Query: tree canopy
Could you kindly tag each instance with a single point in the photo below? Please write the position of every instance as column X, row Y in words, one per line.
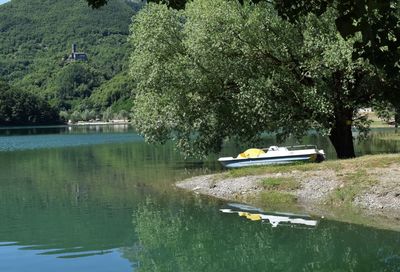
column 304, row 65
column 223, row 69
column 376, row 20
column 22, row 108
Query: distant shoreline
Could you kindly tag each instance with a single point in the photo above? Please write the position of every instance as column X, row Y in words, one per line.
column 364, row 190
column 67, row 125
column 99, row 123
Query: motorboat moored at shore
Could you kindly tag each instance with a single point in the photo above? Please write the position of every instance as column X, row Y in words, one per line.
column 274, row 155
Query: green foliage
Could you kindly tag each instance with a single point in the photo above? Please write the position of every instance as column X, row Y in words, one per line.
column 64, row 116
column 123, row 115
column 220, row 69
column 22, row 108
column 123, row 105
column 36, row 40
column 76, row 80
column 177, row 4
column 46, row 32
column 388, row 112
column 107, row 115
column 376, row 20
column 75, row 116
column 116, row 92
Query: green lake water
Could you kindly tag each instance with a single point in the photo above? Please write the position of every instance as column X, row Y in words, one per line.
column 100, row 199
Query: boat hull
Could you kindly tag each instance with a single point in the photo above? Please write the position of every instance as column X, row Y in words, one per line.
column 245, row 162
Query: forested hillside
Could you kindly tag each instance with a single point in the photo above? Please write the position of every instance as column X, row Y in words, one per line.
column 22, row 108
column 36, row 39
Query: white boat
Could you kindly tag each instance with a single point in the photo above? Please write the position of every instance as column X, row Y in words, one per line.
column 274, row 155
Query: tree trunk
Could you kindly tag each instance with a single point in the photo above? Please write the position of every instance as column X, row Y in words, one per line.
column 396, row 117
column 341, row 136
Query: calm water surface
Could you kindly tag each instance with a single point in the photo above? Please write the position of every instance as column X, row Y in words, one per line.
column 100, row 199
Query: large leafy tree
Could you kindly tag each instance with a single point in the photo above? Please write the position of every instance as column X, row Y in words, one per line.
column 333, row 65
column 221, row 69
column 376, row 20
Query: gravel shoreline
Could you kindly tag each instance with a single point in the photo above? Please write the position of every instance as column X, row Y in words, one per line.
column 376, row 200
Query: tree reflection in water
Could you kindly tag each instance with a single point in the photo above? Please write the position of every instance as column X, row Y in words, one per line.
column 204, row 240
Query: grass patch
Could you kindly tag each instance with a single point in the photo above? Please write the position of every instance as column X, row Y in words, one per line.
column 274, row 168
column 355, row 174
column 354, row 184
column 276, row 199
column 280, row 183
column 275, row 193
column 339, row 166
column 371, row 161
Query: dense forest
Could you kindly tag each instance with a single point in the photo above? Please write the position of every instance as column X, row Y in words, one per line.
column 35, row 42
column 22, row 108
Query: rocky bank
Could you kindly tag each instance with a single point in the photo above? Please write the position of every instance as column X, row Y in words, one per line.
column 363, row 190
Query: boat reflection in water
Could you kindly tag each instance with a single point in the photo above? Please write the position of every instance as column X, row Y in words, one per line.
column 275, row 219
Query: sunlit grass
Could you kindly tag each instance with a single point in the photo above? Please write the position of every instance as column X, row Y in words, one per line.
column 280, row 183
column 354, row 184
column 364, row 162
column 267, row 169
column 276, row 199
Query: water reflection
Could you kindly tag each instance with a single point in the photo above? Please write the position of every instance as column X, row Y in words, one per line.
column 199, row 239
column 70, row 209
column 24, row 142
column 77, row 202
column 383, row 140
column 74, row 129
column 273, row 218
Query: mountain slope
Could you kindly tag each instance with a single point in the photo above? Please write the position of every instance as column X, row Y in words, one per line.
column 36, row 38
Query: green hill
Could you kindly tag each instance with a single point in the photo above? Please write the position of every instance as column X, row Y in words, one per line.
column 36, row 39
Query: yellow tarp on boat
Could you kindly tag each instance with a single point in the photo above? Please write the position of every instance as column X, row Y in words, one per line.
column 251, row 153
column 251, row 216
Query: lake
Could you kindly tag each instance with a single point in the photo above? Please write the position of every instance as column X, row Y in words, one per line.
column 100, row 199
